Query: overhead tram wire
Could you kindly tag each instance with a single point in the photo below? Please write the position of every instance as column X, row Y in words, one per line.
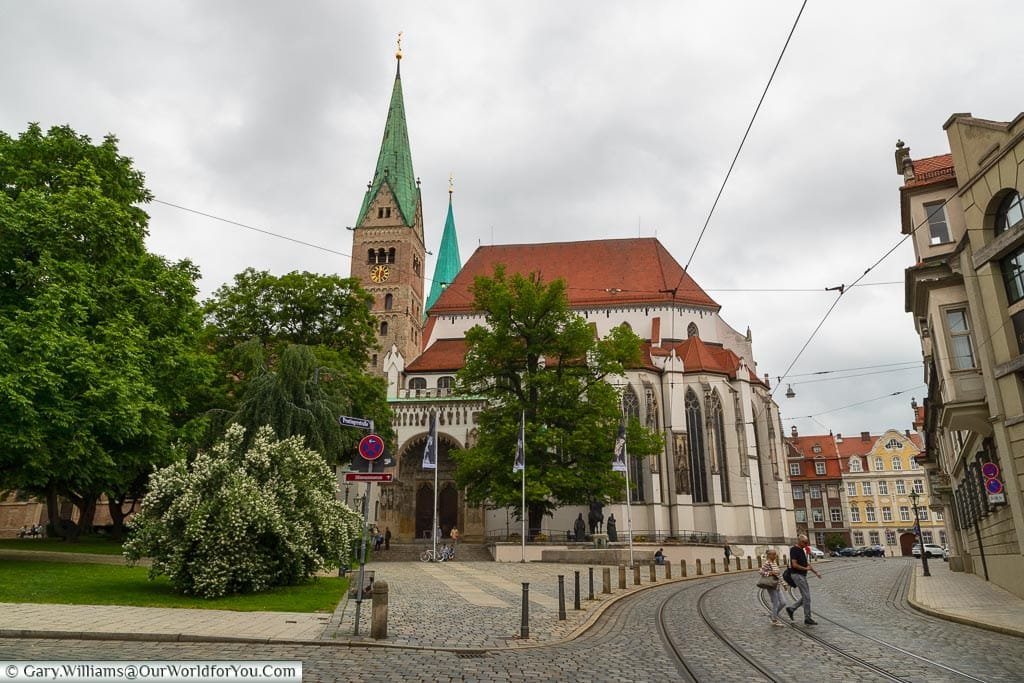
column 739, row 149
column 290, row 239
column 851, row 405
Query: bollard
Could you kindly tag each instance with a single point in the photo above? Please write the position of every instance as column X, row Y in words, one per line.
column 576, row 593
column 668, row 569
column 561, row 597
column 622, row 576
column 738, row 563
column 379, row 620
column 682, row 568
column 725, row 565
column 524, row 627
column 636, row 574
column 785, row 561
column 591, row 583
column 714, row 570
column 654, row 573
column 697, row 561
column 750, row 562
column 606, row 579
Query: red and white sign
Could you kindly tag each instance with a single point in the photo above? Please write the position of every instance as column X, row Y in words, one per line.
column 368, row 476
column 371, row 447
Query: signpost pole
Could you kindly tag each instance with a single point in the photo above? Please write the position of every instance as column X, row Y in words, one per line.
column 362, row 543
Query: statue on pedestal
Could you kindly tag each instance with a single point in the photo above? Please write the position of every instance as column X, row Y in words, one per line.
column 579, row 528
column 613, row 534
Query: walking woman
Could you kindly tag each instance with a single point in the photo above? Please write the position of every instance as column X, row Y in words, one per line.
column 771, row 568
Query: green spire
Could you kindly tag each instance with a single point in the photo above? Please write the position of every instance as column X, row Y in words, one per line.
column 394, row 164
column 448, row 261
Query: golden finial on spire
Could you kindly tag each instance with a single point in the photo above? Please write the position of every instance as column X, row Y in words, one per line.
column 398, row 50
column 451, row 184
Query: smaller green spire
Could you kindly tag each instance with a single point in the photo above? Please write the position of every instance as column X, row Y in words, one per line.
column 448, row 262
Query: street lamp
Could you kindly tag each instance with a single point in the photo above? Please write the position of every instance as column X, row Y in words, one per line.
column 920, row 539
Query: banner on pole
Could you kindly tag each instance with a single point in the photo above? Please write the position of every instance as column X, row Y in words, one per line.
column 520, row 463
column 619, row 462
column 430, row 450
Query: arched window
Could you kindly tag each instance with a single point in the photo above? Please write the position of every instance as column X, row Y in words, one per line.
column 757, row 452
column 718, row 433
column 389, row 301
column 384, row 329
column 382, row 256
column 695, row 439
column 631, row 410
column 371, row 256
column 391, row 255
column 691, row 330
column 1010, row 213
column 897, row 464
column 879, row 464
column 855, row 465
column 417, row 383
column 445, row 382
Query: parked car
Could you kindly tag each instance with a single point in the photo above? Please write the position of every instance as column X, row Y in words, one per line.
column 815, row 553
column 930, row 550
column 846, row 552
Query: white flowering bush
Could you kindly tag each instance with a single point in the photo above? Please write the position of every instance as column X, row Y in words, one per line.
column 242, row 520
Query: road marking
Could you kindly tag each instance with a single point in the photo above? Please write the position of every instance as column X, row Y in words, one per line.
column 512, row 587
column 463, row 588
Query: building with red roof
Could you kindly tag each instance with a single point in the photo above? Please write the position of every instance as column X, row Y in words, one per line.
column 720, row 474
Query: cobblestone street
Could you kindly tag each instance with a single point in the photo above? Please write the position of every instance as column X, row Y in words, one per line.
column 859, row 604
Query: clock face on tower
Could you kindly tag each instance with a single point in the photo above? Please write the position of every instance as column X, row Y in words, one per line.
column 380, row 273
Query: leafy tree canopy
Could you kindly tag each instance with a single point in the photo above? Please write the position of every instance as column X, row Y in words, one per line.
column 99, row 345
column 536, row 356
column 243, row 519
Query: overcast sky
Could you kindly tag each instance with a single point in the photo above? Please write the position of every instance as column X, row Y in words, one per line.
column 561, row 121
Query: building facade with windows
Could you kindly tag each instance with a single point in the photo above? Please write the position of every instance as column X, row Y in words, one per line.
column 722, row 469
column 816, row 478
column 966, row 294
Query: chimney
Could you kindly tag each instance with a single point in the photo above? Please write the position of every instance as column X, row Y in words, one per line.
column 865, row 436
column 656, row 331
column 794, row 432
column 907, row 433
column 839, row 438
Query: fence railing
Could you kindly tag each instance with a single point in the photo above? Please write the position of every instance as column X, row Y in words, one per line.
column 639, row 536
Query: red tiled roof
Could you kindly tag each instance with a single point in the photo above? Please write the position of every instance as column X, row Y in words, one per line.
column 700, row 357
column 597, row 273
column 442, row 355
column 932, row 170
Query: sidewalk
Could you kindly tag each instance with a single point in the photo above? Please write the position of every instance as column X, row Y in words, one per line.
column 966, row 599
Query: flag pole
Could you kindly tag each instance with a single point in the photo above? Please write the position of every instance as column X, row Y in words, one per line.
column 437, row 463
column 629, row 516
column 522, row 435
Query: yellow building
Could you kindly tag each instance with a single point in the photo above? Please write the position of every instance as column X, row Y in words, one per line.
column 880, row 474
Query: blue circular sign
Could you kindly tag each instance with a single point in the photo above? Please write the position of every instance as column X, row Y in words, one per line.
column 994, row 486
column 371, row 447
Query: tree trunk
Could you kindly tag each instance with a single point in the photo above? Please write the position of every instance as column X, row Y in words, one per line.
column 86, row 513
column 535, row 519
column 52, row 511
column 117, row 516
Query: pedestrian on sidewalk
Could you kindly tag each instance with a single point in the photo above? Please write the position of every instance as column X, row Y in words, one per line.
column 798, row 568
column 771, row 568
column 387, row 538
column 728, row 554
column 454, row 533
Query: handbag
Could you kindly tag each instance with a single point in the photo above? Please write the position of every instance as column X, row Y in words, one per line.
column 769, row 582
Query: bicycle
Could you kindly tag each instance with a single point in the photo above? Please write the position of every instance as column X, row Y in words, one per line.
column 430, row 556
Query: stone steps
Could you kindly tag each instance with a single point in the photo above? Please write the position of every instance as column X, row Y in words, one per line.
column 410, row 552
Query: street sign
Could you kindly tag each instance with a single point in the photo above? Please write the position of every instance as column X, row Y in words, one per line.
column 371, row 447
column 346, row 421
column 994, row 487
column 368, row 476
column 997, row 499
column 990, row 470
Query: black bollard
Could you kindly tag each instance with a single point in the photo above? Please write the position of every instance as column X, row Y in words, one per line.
column 591, row 584
column 561, row 597
column 524, row 627
column 576, row 593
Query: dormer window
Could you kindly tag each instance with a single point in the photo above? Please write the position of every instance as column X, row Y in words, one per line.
column 819, row 467
column 855, row 465
column 937, row 226
column 816, row 448
column 893, row 444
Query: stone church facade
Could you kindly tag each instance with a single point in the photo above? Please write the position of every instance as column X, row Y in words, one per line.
column 723, row 468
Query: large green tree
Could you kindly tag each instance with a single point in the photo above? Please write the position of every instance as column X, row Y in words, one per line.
column 535, row 356
column 293, row 351
column 99, row 345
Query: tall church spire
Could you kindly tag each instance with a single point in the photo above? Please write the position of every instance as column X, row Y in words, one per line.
column 394, row 163
column 448, row 261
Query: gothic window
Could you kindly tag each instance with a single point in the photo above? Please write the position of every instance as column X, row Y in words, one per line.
column 718, row 434
column 631, row 409
column 391, row 255
column 691, row 330
column 757, row 453
column 695, row 441
column 417, row 383
column 384, row 328
column 389, row 301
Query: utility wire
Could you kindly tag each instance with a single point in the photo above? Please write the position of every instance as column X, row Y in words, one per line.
column 851, row 405
column 742, row 141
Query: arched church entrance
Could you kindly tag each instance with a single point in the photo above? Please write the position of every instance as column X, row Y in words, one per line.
column 448, row 509
column 410, row 509
column 424, row 510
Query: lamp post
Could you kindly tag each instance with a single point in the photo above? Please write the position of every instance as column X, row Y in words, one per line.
column 920, row 538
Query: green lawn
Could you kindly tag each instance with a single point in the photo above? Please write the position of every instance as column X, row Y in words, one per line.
column 101, row 584
column 88, row 544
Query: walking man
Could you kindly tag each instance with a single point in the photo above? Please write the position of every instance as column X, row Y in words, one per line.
column 799, row 566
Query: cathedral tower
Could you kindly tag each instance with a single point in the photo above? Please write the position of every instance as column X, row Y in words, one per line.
column 448, row 261
column 388, row 249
